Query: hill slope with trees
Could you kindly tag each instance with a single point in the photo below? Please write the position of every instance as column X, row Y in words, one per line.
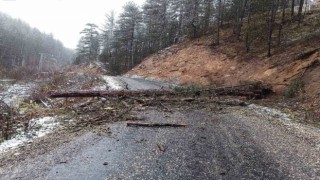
column 22, row 46
column 141, row 31
column 288, row 60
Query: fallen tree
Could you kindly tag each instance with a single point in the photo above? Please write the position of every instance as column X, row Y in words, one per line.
column 251, row 91
column 58, row 94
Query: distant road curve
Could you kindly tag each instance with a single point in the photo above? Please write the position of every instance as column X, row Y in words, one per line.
column 142, row 84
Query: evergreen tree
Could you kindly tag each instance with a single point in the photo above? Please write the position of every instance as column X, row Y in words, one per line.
column 129, row 22
column 89, row 45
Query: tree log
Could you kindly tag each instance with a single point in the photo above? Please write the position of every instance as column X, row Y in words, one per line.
column 156, row 124
column 250, row 91
column 54, row 94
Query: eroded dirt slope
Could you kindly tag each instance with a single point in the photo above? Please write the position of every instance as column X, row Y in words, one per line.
column 196, row 62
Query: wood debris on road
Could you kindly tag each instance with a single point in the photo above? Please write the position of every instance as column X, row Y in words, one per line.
column 161, row 148
column 137, row 124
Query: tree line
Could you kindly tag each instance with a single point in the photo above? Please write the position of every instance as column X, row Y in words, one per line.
column 23, row 46
column 137, row 32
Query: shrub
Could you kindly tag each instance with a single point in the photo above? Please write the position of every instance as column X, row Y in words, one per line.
column 295, row 86
column 189, row 90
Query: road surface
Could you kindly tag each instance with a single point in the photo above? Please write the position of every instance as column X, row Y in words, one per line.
column 234, row 143
column 142, row 84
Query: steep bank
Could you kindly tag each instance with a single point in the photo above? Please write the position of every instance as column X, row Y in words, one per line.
column 196, row 62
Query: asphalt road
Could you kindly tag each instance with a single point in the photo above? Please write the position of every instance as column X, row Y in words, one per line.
column 213, row 146
column 235, row 144
column 142, row 84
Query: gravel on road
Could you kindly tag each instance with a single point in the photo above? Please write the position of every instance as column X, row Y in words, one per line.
column 233, row 144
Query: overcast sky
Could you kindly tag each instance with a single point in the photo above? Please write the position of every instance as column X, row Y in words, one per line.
column 63, row 18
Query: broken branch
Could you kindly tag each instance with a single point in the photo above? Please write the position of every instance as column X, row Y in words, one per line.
column 156, row 124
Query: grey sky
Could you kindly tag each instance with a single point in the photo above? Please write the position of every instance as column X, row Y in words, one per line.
column 63, row 18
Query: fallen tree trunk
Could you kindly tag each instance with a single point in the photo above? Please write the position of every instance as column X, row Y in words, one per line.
column 156, row 124
column 54, row 94
column 250, row 91
column 257, row 91
column 228, row 102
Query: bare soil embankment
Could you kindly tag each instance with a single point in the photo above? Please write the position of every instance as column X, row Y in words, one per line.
column 196, row 62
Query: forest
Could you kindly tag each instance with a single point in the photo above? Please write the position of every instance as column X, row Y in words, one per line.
column 25, row 48
column 137, row 32
column 127, row 38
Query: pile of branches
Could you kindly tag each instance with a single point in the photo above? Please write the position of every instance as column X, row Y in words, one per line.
column 250, row 91
column 95, row 112
column 110, row 106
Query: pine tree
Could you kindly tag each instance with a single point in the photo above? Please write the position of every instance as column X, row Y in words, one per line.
column 89, row 45
column 129, row 21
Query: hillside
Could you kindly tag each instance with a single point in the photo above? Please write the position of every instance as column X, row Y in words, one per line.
column 196, row 62
column 25, row 50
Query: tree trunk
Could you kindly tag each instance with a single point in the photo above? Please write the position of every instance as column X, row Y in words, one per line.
column 292, row 7
column 284, row 4
column 300, row 10
column 83, row 94
column 242, row 10
column 272, row 14
column 249, row 21
column 219, row 19
column 222, row 13
column 131, row 48
column 237, row 20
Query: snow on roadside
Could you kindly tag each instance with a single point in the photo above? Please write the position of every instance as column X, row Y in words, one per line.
column 113, row 83
column 270, row 112
column 38, row 128
column 144, row 78
column 15, row 93
column 134, row 76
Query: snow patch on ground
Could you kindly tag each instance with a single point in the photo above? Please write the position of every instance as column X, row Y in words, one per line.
column 113, row 83
column 100, row 87
column 270, row 112
column 37, row 128
column 134, row 76
column 142, row 77
column 15, row 93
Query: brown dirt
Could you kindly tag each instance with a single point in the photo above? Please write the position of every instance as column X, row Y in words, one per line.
column 196, row 62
